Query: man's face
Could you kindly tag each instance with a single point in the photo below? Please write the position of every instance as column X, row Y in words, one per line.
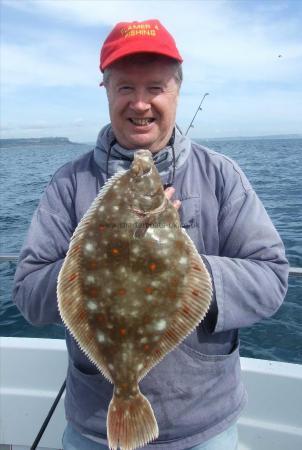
column 142, row 103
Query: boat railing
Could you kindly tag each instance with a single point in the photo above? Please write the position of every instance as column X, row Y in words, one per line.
column 293, row 271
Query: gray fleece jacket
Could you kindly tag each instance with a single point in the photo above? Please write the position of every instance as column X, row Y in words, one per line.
column 196, row 391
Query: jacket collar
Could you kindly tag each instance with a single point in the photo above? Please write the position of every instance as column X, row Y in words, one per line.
column 121, row 158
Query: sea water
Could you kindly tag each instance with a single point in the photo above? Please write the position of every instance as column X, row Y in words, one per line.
column 273, row 166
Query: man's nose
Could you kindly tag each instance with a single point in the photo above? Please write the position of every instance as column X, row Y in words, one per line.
column 140, row 102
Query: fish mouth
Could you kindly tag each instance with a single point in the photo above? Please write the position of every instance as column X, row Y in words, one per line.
column 142, row 164
column 141, row 122
column 140, row 168
column 143, row 154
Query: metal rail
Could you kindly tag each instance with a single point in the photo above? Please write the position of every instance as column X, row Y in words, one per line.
column 293, row 271
column 9, row 257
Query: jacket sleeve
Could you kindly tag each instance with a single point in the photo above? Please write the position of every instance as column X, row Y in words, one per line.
column 42, row 256
column 249, row 268
column 250, row 273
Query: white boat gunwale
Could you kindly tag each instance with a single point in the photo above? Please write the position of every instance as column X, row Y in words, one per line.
column 32, row 371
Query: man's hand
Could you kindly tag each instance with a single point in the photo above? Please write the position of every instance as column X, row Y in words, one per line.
column 170, row 191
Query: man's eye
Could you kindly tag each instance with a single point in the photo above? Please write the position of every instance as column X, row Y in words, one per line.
column 155, row 89
column 125, row 89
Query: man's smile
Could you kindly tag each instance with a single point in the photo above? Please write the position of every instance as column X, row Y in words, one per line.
column 141, row 122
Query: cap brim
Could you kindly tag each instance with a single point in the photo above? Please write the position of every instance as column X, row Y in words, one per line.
column 119, row 54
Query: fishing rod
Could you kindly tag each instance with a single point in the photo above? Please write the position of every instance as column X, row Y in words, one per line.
column 198, row 109
column 48, row 417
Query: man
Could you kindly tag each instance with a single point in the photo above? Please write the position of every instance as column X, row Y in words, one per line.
column 196, row 391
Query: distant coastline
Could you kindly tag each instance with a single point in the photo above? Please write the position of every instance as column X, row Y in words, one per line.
column 66, row 141
column 36, row 141
column 253, row 138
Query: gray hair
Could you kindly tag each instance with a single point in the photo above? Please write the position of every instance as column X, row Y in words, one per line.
column 145, row 58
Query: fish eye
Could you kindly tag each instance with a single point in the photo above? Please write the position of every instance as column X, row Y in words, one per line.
column 151, row 194
column 157, row 192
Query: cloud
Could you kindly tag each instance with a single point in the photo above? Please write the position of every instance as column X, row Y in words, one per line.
column 218, row 42
column 230, row 49
column 246, row 113
column 52, row 61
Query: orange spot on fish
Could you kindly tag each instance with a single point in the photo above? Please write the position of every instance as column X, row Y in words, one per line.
column 123, row 331
column 82, row 315
column 121, row 291
column 115, row 251
column 146, row 347
column 148, row 290
column 102, row 227
column 93, row 292
column 93, row 264
column 170, row 333
column 152, row 266
column 186, row 310
column 172, row 295
column 73, row 277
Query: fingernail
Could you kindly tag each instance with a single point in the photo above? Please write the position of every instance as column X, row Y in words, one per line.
column 170, row 189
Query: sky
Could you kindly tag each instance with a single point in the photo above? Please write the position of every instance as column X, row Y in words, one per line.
column 246, row 54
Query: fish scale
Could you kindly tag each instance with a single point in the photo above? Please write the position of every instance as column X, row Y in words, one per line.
column 131, row 288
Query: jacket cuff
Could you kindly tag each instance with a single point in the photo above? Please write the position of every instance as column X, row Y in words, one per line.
column 211, row 318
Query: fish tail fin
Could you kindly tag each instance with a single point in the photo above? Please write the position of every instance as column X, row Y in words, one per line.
column 130, row 422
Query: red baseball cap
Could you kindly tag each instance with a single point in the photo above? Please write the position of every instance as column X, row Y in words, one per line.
column 128, row 38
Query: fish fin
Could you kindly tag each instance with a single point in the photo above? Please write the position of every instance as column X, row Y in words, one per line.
column 131, row 422
column 95, row 204
column 72, row 311
column 69, row 289
column 195, row 303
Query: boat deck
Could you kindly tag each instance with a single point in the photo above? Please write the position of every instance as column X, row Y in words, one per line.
column 33, row 370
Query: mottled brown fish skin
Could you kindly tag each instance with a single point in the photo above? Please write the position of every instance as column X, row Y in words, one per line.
column 131, row 288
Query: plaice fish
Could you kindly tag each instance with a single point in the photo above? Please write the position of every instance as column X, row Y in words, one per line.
column 131, row 288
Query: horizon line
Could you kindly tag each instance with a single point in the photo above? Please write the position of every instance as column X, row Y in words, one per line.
column 264, row 136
